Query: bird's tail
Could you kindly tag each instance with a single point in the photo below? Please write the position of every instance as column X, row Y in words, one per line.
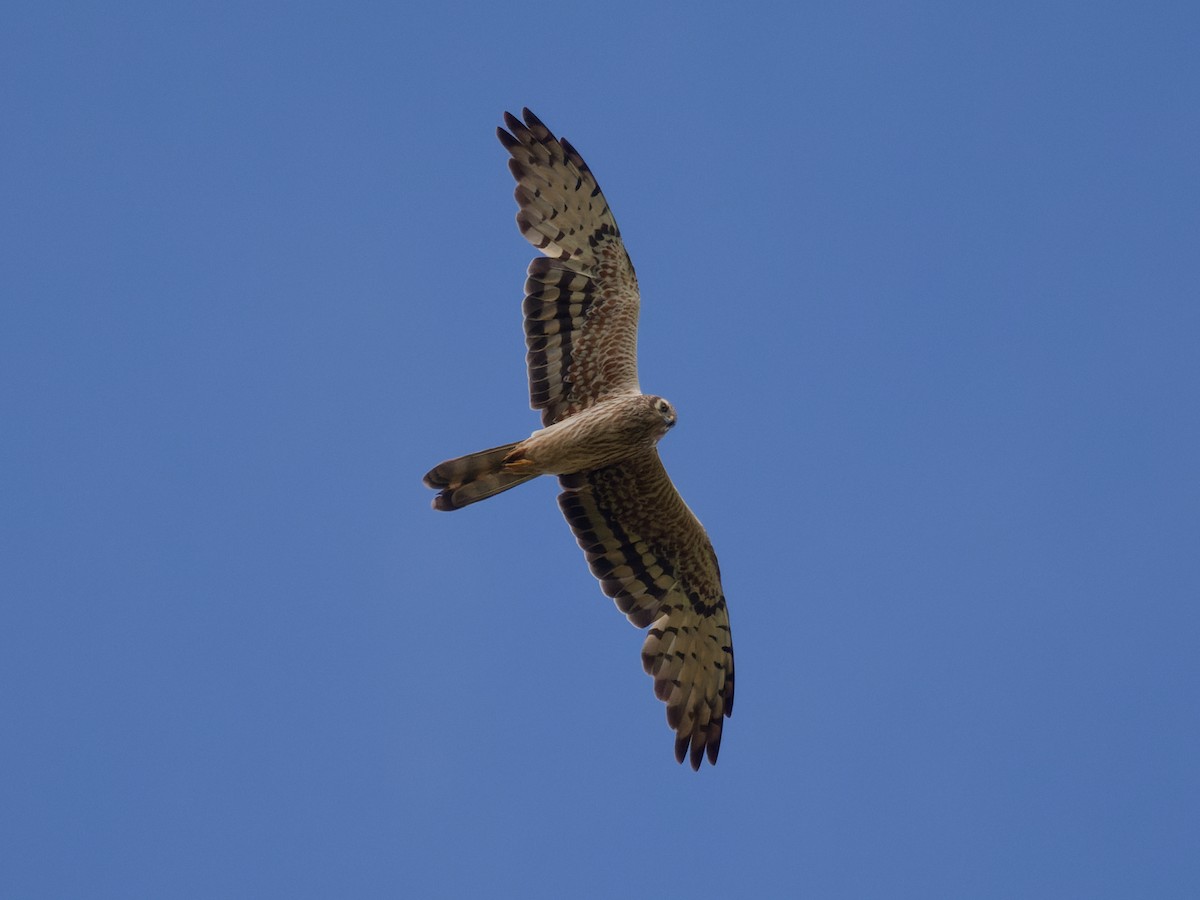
column 474, row 477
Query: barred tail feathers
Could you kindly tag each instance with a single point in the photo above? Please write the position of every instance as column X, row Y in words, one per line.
column 474, row 477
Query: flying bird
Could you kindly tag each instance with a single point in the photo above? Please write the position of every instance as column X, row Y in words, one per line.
column 646, row 547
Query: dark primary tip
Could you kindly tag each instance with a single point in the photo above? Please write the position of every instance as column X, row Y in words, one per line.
column 512, row 122
column 507, row 139
column 530, row 119
column 573, row 155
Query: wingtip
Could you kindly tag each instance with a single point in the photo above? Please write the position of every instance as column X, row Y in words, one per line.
column 696, row 747
column 713, row 748
column 512, row 121
column 507, row 139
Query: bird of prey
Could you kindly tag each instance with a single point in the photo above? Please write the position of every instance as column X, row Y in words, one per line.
column 648, row 550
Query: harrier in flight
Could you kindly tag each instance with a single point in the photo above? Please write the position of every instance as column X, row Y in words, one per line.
column 649, row 551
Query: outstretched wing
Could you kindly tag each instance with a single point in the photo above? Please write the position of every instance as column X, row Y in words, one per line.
column 581, row 300
column 654, row 559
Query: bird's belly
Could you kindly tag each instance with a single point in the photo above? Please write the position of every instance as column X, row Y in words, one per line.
column 588, row 440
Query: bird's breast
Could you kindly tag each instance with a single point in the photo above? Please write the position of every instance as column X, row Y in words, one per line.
column 591, row 439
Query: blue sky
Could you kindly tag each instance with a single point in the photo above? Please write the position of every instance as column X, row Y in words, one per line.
column 920, row 279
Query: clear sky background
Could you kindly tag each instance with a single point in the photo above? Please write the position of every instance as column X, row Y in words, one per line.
column 921, row 279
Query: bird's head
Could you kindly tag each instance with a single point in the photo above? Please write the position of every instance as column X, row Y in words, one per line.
column 666, row 412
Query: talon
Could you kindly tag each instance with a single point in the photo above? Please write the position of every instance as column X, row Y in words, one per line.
column 518, row 466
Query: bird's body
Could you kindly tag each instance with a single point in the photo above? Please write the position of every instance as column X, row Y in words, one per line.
column 612, row 430
column 648, row 550
column 601, row 435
